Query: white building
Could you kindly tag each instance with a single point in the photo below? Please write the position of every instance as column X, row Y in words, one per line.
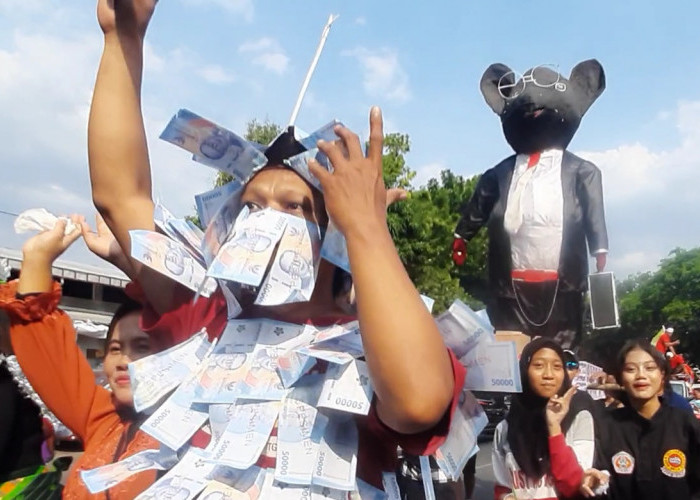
column 90, row 296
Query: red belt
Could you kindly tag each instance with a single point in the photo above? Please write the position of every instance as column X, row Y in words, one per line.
column 534, row 275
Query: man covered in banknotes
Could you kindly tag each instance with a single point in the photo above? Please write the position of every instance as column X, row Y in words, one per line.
column 318, row 401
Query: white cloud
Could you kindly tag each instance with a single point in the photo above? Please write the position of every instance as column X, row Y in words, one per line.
column 45, row 91
column 629, row 170
column 652, row 199
column 244, row 8
column 635, row 261
column 46, row 86
column 152, row 62
column 268, row 53
column 383, row 75
column 262, row 44
column 426, row 172
column 215, row 74
column 361, row 21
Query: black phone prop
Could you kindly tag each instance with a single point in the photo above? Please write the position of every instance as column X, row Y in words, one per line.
column 603, row 299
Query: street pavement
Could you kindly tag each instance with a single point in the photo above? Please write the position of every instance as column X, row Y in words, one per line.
column 483, row 490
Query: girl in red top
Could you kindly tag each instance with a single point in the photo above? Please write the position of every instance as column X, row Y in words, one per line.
column 43, row 340
column 541, row 449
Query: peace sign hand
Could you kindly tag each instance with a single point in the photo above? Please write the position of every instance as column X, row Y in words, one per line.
column 557, row 408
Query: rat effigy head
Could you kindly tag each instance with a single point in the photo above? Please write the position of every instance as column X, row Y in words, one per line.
column 541, row 109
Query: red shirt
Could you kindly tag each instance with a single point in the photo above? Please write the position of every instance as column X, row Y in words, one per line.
column 377, row 442
column 661, row 343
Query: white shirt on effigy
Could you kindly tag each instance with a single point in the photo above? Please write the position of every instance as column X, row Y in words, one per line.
column 534, row 213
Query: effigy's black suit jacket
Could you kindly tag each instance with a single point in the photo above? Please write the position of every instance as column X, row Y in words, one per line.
column 584, row 221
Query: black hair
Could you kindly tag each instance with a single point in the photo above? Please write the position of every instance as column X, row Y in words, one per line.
column 641, row 345
column 127, row 307
column 5, row 342
column 342, row 282
column 570, row 357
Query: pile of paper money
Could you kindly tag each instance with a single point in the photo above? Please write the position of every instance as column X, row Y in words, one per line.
column 255, row 392
column 236, row 386
column 491, row 365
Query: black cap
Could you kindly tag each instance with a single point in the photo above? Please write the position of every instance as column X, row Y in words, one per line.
column 283, row 147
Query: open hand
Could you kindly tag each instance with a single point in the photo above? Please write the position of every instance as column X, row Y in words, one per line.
column 102, row 242
column 125, row 17
column 47, row 246
column 558, row 407
column 355, row 195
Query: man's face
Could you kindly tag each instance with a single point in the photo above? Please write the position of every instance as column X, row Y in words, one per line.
column 696, row 393
column 284, row 190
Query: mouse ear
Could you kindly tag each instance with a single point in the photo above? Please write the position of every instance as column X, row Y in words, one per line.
column 489, row 85
column 589, row 79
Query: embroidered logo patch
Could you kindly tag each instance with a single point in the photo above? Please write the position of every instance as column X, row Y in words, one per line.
column 623, row 462
column 674, row 463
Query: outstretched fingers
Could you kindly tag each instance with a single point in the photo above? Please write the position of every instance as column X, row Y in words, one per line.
column 376, row 135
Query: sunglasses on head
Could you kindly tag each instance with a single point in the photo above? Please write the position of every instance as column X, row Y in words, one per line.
column 571, row 365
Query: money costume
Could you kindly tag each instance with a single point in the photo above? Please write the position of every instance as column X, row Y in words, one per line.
column 43, row 339
column 270, row 409
column 543, row 206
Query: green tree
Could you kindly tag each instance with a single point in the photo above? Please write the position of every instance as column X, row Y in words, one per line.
column 671, row 295
column 423, row 227
column 396, row 172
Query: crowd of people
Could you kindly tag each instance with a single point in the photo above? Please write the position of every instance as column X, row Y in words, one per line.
column 555, row 442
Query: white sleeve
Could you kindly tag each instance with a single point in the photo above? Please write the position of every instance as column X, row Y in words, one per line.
column 498, row 456
column 581, row 438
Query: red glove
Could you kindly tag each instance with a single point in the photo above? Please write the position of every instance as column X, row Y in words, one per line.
column 459, row 251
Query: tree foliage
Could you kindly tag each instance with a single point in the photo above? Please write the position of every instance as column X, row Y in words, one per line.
column 423, row 227
column 669, row 296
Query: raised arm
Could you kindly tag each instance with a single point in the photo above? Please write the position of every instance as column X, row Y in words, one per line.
column 409, row 364
column 43, row 338
column 117, row 150
column 569, row 460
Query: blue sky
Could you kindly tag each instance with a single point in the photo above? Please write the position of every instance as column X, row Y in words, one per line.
column 234, row 60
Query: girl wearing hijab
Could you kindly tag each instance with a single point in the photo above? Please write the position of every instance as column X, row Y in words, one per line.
column 545, row 443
